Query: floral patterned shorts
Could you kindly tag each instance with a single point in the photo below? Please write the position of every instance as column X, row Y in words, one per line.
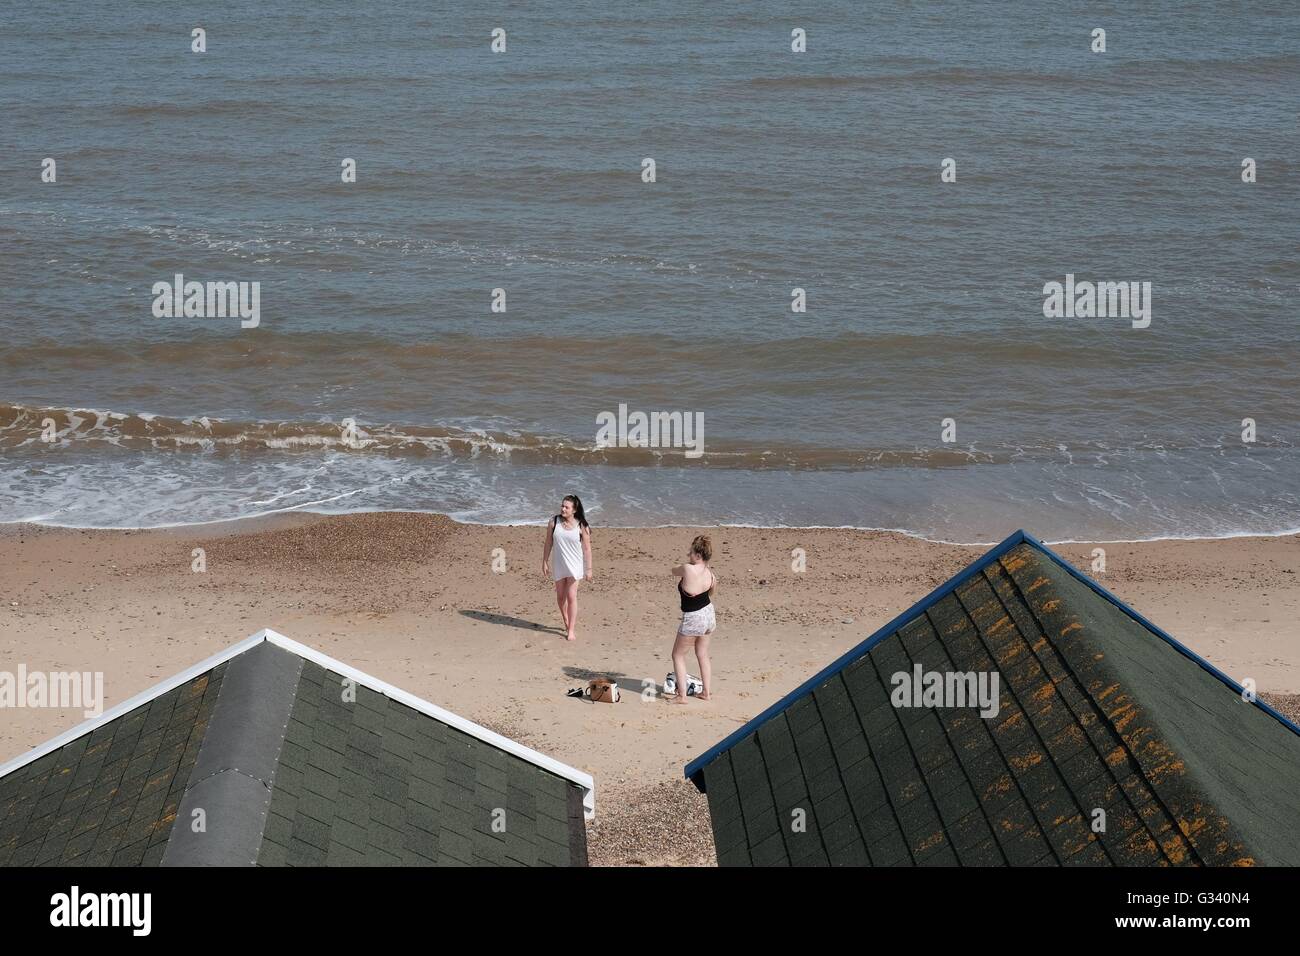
column 697, row 623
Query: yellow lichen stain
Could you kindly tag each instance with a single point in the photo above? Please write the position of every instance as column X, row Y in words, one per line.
column 1008, row 658
column 1050, row 605
column 1024, row 763
column 1013, row 561
column 1142, row 840
column 1038, row 583
column 1000, row 623
column 1075, row 846
column 933, row 840
column 1244, row 861
column 1072, row 626
column 1175, row 848
column 1116, row 756
column 1014, row 720
column 1170, row 768
column 1044, row 691
column 1124, row 715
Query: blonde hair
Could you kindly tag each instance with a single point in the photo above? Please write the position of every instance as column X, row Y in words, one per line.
column 704, row 548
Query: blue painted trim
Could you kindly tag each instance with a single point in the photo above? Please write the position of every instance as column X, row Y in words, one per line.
column 844, row 660
column 695, row 767
column 1181, row 648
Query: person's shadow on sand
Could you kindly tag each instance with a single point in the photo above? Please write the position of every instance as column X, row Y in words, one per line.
column 488, row 618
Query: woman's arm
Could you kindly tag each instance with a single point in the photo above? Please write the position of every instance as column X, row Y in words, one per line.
column 586, row 552
column 679, row 570
column 546, row 547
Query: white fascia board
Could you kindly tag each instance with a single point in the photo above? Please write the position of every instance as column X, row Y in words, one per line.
column 583, row 780
column 124, row 708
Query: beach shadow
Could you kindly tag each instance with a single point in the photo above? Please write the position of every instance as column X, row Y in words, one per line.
column 627, row 683
column 489, row 618
column 629, row 686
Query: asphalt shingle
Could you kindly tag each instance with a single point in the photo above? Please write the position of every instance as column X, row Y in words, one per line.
column 1094, row 712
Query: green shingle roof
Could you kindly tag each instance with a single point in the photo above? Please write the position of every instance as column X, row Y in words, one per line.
column 109, row 798
column 1098, row 711
column 288, row 762
column 375, row 782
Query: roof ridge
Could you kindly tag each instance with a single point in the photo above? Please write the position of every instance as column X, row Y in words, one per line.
column 245, row 735
column 217, row 773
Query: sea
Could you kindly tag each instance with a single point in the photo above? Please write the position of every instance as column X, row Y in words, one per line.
column 835, row 265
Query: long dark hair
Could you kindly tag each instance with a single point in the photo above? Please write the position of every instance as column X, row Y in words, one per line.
column 577, row 511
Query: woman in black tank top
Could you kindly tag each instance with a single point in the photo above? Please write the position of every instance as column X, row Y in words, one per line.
column 693, row 602
column 698, row 621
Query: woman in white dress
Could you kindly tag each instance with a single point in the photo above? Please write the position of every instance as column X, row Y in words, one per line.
column 568, row 541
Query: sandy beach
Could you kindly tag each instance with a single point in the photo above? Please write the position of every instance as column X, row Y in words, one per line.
column 413, row 599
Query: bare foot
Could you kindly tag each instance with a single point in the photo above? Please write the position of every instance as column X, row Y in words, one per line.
column 678, row 700
column 703, row 697
column 570, row 636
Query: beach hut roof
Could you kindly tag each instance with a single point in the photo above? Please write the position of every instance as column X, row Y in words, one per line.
column 271, row 753
column 1111, row 743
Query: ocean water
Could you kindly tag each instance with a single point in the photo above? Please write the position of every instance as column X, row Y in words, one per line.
column 379, row 377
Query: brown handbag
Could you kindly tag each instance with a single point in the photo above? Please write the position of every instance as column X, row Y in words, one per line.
column 603, row 691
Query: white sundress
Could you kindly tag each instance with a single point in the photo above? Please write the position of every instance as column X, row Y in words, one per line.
column 566, row 555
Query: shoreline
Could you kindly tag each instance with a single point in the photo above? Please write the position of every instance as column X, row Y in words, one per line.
column 411, row 598
column 306, row 511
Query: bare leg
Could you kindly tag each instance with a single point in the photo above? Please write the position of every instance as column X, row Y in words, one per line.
column 680, row 648
column 562, row 599
column 571, row 601
column 706, row 666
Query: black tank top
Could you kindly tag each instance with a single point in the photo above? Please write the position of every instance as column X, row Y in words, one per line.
column 695, row 602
